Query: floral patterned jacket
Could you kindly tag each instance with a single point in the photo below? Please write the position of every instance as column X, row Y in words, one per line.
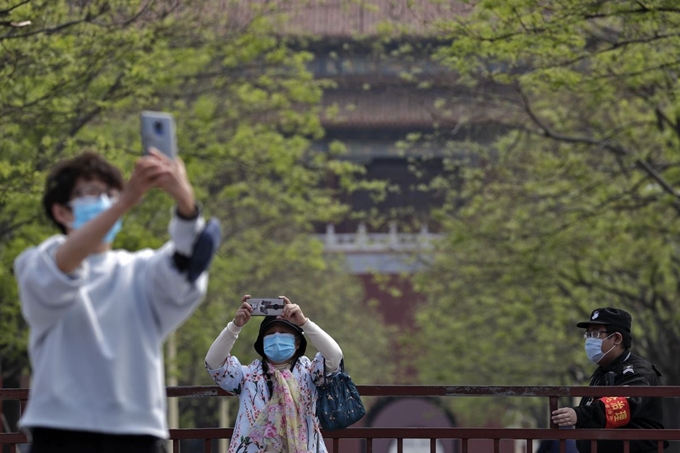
column 249, row 383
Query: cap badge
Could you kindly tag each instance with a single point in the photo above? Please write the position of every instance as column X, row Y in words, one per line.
column 595, row 314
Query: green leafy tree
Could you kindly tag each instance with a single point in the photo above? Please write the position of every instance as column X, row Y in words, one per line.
column 573, row 207
column 247, row 110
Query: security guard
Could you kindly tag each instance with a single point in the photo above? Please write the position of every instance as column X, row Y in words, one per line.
column 608, row 342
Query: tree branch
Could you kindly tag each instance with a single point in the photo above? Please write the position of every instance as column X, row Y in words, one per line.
column 44, row 30
column 604, row 144
column 641, row 10
column 5, row 12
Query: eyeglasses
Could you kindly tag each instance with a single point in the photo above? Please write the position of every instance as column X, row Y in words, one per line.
column 594, row 333
column 96, row 192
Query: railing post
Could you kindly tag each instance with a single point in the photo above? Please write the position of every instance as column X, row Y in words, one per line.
column 171, row 380
column 553, row 407
column 224, row 421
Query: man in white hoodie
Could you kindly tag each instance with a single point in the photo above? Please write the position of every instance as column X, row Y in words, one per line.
column 98, row 317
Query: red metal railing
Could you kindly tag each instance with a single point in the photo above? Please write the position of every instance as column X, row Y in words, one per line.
column 463, row 436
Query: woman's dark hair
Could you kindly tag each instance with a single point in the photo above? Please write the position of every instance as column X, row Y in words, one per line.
column 63, row 176
column 627, row 341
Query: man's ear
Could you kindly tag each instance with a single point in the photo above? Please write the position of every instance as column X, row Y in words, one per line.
column 63, row 214
column 618, row 334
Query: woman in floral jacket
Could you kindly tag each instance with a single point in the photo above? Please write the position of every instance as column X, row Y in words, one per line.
column 277, row 393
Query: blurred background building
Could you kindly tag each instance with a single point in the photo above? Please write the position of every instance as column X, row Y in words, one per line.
column 374, row 109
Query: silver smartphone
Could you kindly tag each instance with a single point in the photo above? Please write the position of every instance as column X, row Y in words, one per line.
column 158, row 131
column 272, row 306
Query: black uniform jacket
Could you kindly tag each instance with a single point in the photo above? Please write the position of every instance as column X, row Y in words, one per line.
column 641, row 412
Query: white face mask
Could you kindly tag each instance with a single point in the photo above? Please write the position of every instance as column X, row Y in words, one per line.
column 594, row 349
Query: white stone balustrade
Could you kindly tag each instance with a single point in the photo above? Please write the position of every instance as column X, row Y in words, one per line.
column 365, row 242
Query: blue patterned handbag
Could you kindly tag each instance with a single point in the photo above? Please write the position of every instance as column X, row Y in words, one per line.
column 338, row 404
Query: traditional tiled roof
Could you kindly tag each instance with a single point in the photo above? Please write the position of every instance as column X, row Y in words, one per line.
column 383, row 108
column 344, row 18
column 403, row 108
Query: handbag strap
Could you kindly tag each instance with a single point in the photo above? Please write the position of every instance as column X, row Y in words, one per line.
column 325, row 376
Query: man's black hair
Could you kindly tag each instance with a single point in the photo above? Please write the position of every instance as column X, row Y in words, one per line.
column 64, row 175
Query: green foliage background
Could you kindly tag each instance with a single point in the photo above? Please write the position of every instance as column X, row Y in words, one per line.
column 565, row 201
column 573, row 207
column 246, row 108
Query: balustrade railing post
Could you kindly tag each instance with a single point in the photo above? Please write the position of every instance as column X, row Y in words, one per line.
column 553, row 407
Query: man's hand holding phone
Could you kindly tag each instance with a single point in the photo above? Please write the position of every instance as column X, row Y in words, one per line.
column 157, row 170
column 145, row 176
column 159, row 143
column 175, row 183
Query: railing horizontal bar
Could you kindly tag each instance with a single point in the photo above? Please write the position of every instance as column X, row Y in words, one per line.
column 197, row 391
column 201, row 433
column 13, row 394
column 430, row 433
column 453, row 390
column 538, row 391
column 459, row 433
column 204, row 391
column 12, row 438
column 506, row 433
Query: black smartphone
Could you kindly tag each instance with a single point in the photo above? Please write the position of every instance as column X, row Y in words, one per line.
column 158, row 131
column 272, row 306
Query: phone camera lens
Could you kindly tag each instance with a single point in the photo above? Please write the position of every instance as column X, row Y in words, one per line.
column 158, row 127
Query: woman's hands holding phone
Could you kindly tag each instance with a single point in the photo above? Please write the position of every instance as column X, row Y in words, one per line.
column 244, row 312
column 292, row 312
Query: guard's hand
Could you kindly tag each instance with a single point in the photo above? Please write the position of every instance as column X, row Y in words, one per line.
column 244, row 312
column 292, row 312
column 564, row 416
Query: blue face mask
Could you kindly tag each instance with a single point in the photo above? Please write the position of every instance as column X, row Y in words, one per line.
column 87, row 208
column 279, row 347
column 594, row 349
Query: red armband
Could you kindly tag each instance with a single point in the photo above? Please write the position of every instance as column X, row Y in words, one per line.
column 616, row 410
